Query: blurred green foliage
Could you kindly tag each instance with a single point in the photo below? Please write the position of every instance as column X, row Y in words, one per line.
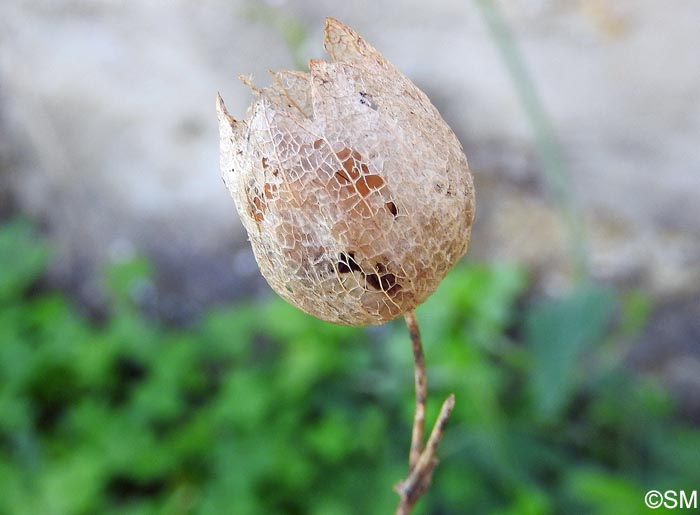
column 260, row 409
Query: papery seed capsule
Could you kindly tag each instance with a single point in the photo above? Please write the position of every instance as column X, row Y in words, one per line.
column 355, row 193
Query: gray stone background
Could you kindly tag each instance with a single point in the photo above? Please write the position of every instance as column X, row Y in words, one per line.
column 108, row 135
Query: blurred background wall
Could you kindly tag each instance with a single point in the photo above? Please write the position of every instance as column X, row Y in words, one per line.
column 108, row 134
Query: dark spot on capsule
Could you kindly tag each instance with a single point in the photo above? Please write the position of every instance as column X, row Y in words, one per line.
column 394, row 290
column 383, row 280
column 347, row 263
column 367, row 100
column 387, row 281
column 373, row 281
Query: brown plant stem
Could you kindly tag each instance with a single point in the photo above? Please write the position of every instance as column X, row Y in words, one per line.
column 421, row 383
column 422, row 460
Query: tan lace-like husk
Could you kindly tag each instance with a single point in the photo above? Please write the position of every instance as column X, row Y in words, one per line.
column 355, row 193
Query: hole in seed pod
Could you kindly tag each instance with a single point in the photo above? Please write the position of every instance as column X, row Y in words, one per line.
column 318, row 144
column 394, row 290
column 383, row 280
column 391, row 207
column 264, row 162
column 347, row 263
column 373, row 281
column 386, row 283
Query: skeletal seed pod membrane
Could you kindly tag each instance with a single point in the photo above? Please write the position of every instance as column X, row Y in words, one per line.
column 355, row 193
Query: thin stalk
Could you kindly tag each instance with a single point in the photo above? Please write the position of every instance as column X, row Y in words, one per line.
column 422, row 457
column 421, row 384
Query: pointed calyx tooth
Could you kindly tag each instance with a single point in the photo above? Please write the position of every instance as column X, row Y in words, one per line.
column 355, row 194
column 343, row 43
column 222, row 111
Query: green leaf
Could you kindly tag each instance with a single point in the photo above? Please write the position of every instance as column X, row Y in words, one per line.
column 23, row 257
column 478, row 298
column 528, row 501
column 128, row 281
column 605, row 493
column 558, row 332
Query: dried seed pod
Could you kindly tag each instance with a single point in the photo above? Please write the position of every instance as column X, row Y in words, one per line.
column 355, row 193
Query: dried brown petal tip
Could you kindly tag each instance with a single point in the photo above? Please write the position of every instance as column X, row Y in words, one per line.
column 355, row 193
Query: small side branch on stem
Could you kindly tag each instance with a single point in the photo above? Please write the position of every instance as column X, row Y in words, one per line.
column 422, row 458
